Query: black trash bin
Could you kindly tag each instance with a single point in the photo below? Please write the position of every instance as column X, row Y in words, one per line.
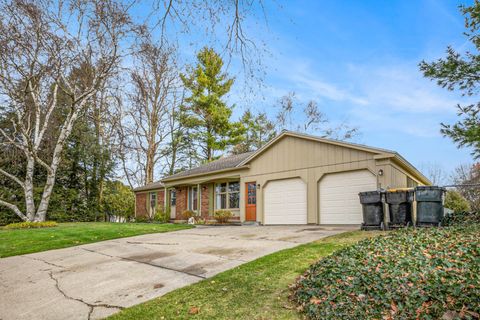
column 399, row 207
column 429, row 205
column 372, row 206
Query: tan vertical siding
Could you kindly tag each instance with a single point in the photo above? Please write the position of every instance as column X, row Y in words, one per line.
column 309, row 160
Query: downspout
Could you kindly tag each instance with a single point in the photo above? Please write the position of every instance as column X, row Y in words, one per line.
column 135, row 212
column 164, row 199
column 199, row 200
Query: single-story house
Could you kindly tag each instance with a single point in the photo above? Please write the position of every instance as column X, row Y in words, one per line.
column 295, row 178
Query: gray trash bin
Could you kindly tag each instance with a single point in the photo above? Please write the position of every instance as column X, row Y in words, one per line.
column 429, row 205
column 372, row 206
column 399, row 207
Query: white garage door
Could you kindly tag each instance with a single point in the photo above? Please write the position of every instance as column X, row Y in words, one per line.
column 338, row 196
column 285, row 202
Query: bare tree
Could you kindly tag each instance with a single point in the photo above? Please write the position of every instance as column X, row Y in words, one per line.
column 434, row 172
column 314, row 117
column 42, row 43
column 175, row 151
column 291, row 116
column 224, row 21
column 469, row 176
column 151, row 104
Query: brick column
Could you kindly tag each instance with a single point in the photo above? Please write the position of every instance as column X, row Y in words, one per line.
column 181, row 204
column 205, row 197
column 161, row 199
column 141, row 204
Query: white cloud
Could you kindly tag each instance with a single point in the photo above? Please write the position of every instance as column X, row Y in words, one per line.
column 319, row 88
column 394, row 97
column 401, row 87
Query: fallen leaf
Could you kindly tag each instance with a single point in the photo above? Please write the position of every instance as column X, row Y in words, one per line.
column 193, row 310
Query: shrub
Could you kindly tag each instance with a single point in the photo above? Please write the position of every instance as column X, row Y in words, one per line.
column 456, row 202
column 187, row 214
column 200, row 221
column 461, row 218
column 142, row 219
column 222, row 216
column 119, row 200
column 161, row 216
column 7, row 216
column 407, row 274
column 31, row 225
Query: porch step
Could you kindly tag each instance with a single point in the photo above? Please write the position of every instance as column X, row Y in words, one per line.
column 250, row 223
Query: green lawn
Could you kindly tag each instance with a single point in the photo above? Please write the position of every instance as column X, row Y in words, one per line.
column 22, row 241
column 255, row 290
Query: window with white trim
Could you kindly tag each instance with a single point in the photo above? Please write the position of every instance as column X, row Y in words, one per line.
column 193, row 198
column 173, row 197
column 153, row 200
column 227, row 195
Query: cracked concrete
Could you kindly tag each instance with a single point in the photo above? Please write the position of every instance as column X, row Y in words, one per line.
column 96, row 280
column 90, row 305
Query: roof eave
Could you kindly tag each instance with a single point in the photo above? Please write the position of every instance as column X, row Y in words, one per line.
column 412, row 169
column 204, row 174
column 145, row 188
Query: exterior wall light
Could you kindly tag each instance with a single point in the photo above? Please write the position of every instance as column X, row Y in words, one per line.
column 380, row 172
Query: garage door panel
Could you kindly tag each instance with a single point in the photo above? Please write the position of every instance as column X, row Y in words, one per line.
column 285, row 202
column 338, row 196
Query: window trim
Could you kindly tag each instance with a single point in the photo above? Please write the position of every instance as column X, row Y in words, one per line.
column 190, row 198
column 173, row 196
column 152, row 209
column 227, row 193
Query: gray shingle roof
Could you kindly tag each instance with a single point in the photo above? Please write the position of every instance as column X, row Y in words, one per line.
column 220, row 164
column 150, row 186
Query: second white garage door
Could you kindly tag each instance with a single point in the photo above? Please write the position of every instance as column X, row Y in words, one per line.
column 338, row 196
column 285, row 202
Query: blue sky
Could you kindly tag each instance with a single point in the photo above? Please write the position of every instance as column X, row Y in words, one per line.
column 359, row 61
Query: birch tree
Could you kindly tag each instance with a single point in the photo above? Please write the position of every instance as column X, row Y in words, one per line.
column 152, row 103
column 42, row 43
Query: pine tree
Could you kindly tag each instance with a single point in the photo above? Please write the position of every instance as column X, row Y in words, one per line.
column 259, row 130
column 206, row 113
column 461, row 71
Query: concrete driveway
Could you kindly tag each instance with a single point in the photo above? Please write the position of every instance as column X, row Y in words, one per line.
column 96, row 280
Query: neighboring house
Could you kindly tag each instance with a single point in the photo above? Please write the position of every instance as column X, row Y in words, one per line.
column 294, row 179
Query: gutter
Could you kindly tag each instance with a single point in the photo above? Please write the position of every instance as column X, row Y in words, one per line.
column 403, row 162
column 204, row 174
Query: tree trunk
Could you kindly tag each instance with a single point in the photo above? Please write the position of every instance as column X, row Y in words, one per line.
column 29, row 196
column 149, row 166
column 64, row 134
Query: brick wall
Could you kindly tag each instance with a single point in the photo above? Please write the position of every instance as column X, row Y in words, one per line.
column 161, row 199
column 181, row 204
column 204, row 197
column 141, row 204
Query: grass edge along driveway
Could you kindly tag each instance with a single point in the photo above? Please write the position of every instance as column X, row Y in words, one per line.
column 22, row 241
column 255, row 290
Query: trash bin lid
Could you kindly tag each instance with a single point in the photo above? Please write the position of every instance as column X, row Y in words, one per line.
column 399, row 189
column 425, row 188
column 368, row 193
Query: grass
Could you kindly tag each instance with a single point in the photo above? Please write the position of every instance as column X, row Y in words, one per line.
column 22, row 241
column 255, row 290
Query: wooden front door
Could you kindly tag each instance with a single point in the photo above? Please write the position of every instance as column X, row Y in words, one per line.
column 251, row 201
